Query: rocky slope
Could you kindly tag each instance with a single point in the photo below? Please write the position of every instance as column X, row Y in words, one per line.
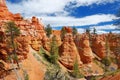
column 31, row 67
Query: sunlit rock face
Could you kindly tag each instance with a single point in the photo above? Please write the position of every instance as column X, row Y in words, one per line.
column 32, row 28
column 83, row 46
column 57, row 33
column 98, row 45
column 4, row 13
column 2, row 2
column 68, row 29
column 68, row 52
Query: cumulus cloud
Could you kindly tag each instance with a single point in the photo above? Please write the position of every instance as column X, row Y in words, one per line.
column 102, row 32
column 104, row 27
column 71, row 21
column 81, row 30
column 90, row 2
column 33, row 7
column 38, row 7
column 116, row 31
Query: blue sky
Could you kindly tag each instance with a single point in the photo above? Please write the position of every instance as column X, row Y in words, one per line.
column 79, row 13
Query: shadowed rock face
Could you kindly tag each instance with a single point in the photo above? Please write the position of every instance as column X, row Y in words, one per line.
column 83, row 46
column 68, row 52
column 114, row 43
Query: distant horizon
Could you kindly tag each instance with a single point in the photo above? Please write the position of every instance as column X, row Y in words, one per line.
column 82, row 14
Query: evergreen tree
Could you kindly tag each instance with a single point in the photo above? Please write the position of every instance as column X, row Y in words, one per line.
column 76, row 70
column 94, row 31
column 110, row 32
column 74, row 31
column 89, row 35
column 12, row 31
column 48, row 30
column 107, row 61
column 107, row 47
column 87, row 31
column 63, row 32
column 54, row 51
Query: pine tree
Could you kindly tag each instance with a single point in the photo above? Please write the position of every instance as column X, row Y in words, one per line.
column 63, row 32
column 76, row 70
column 12, row 31
column 94, row 31
column 54, row 51
column 87, row 31
column 48, row 30
column 107, row 61
column 89, row 35
column 107, row 47
column 74, row 31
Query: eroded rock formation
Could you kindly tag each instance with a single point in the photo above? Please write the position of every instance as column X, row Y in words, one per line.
column 83, row 46
column 68, row 52
column 68, row 29
column 32, row 29
column 98, row 45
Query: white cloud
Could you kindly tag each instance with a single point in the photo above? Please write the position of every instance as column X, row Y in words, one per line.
column 71, row 21
column 38, row 7
column 81, row 30
column 116, row 31
column 101, row 32
column 104, row 27
column 32, row 7
column 44, row 8
column 90, row 2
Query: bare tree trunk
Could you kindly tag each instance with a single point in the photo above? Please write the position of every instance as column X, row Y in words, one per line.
column 15, row 70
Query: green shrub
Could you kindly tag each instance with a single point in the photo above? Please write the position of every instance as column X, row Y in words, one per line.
column 76, row 71
column 26, row 76
column 106, row 61
column 55, row 73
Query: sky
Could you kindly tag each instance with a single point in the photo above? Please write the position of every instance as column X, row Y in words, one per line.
column 82, row 14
